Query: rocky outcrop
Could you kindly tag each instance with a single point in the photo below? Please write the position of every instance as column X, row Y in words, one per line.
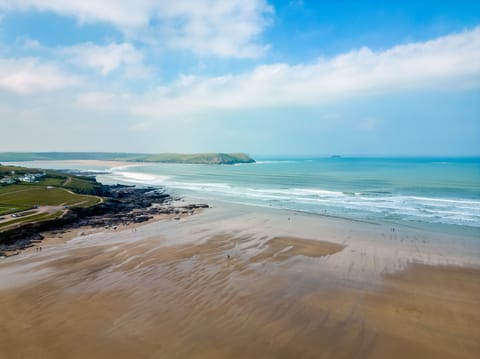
column 122, row 205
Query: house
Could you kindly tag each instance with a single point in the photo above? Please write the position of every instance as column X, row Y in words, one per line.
column 7, row 180
column 29, row 178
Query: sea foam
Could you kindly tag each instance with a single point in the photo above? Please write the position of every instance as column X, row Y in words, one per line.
column 369, row 190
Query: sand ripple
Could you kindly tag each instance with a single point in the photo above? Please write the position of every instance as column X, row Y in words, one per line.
column 236, row 297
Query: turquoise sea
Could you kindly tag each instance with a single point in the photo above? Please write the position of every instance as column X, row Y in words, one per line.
column 421, row 190
column 414, row 190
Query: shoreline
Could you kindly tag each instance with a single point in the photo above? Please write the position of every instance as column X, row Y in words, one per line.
column 416, row 220
column 450, row 246
column 63, row 235
column 233, row 281
column 396, row 247
column 120, row 206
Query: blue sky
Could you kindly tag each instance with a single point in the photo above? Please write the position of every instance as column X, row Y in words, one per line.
column 264, row 77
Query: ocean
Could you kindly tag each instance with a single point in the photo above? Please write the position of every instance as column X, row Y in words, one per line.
column 408, row 190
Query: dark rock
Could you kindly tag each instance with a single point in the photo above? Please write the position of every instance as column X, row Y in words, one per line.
column 122, row 205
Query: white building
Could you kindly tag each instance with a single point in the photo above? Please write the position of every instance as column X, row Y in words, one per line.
column 29, row 178
column 7, row 180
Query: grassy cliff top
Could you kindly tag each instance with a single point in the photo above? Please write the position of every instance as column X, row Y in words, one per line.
column 197, row 158
column 201, row 158
column 46, row 198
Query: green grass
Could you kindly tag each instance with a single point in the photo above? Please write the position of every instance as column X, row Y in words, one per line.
column 54, row 189
column 88, row 202
column 21, row 196
column 6, row 170
column 4, row 209
column 35, row 218
column 26, row 213
column 75, row 183
column 52, row 181
column 82, row 184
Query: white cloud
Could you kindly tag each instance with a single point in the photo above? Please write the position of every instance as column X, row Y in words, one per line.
column 223, row 28
column 446, row 63
column 28, row 75
column 122, row 13
column 212, row 27
column 31, row 44
column 105, row 59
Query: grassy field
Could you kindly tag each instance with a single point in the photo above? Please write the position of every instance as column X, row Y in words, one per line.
column 27, row 196
column 16, row 198
column 35, row 218
column 54, row 189
column 81, row 184
column 6, row 209
column 84, row 185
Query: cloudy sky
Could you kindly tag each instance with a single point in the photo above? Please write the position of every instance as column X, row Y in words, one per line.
column 263, row 77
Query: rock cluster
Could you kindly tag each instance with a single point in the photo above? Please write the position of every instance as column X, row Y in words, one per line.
column 123, row 205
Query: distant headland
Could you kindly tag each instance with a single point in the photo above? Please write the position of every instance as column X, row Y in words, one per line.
column 193, row 158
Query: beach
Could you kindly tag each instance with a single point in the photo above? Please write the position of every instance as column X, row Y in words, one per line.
column 211, row 179
column 242, row 281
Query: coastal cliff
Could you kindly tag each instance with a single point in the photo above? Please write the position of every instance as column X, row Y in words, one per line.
column 37, row 200
column 192, row 158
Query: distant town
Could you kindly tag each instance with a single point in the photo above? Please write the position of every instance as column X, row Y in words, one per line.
column 13, row 178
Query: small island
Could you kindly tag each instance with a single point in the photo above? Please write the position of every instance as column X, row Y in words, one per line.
column 193, row 158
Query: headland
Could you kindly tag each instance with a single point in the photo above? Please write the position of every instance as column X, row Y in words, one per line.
column 191, row 158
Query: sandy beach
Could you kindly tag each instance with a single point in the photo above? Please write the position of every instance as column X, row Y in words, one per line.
column 238, row 281
column 106, row 163
column 261, row 179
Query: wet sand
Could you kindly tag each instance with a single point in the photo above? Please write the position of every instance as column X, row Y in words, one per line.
column 242, row 284
column 281, row 248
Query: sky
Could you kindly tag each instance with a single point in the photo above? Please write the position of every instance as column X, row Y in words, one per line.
column 270, row 78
